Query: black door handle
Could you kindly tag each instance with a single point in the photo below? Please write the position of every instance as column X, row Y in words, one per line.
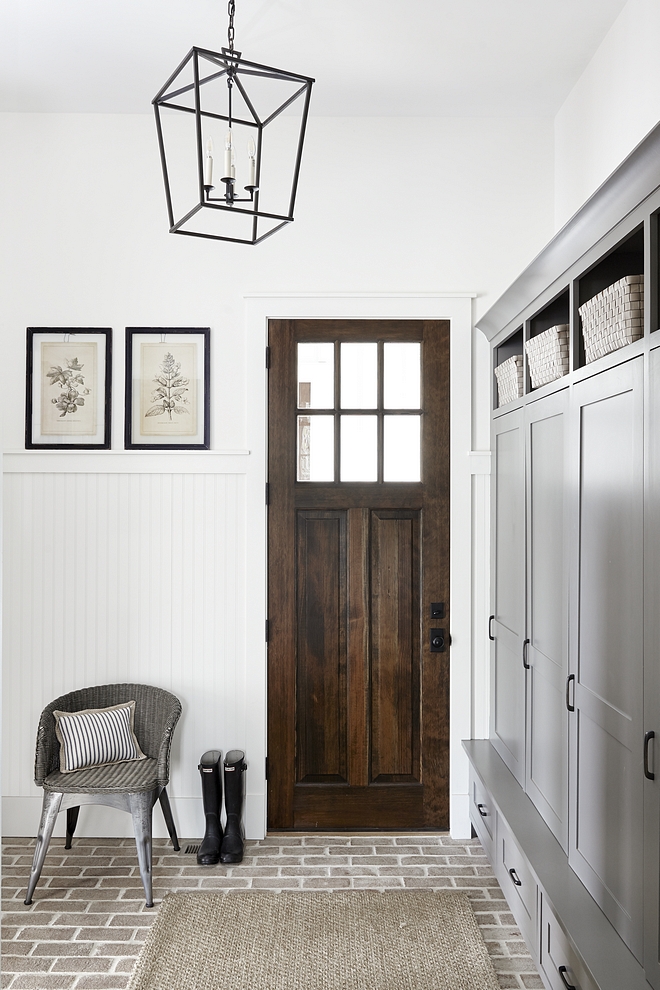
column 514, row 876
column 647, row 739
column 570, row 707
column 490, row 628
column 482, row 812
column 525, row 645
column 562, row 973
column 437, row 641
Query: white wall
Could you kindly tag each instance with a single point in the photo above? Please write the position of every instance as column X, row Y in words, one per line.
column 614, row 104
column 151, row 566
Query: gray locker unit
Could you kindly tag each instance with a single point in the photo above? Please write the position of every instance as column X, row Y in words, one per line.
column 566, row 792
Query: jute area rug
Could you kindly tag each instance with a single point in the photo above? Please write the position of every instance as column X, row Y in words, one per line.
column 340, row 940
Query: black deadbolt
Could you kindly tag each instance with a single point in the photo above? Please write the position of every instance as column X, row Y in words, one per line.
column 437, row 641
column 437, row 610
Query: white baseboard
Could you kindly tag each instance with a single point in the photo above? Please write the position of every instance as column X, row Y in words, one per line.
column 460, row 826
column 20, row 816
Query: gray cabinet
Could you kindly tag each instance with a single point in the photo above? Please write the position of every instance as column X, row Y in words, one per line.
column 652, row 680
column 507, row 591
column 529, row 602
column 606, row 728
column 546, row 470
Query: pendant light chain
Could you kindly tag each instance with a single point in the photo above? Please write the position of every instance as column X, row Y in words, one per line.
column 231, row 10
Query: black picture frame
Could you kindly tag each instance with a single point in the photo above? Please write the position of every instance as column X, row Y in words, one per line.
column 162, row 365
column 66, row 400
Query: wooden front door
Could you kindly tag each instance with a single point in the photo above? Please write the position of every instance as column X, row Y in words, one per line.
column 358, row 697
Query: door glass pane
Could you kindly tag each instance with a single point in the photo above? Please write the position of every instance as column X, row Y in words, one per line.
column 316, row 448
column 401, row 448
column 359, row 440
column 359, row 376
column 401, row 375
column 316, row 376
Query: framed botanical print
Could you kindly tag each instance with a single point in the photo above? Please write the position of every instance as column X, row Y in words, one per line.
column 68, row 388
column 167, row 388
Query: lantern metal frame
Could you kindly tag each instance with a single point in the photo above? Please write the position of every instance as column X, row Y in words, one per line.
column 237, row 71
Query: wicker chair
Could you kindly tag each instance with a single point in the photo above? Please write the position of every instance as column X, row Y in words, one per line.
column 133, row 787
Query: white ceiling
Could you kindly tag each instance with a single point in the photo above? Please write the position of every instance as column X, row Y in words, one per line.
column 369, row 57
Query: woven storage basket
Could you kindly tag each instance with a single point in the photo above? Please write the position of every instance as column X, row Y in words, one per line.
column 509, row 376
column 613, row 318
column 547, row 355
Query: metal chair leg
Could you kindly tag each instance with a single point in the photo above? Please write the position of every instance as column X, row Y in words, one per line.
column 49, row 809
column 141, row 805
column 169, row 820
column 71, row 822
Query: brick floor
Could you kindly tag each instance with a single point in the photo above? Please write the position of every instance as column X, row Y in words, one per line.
column 88, row 919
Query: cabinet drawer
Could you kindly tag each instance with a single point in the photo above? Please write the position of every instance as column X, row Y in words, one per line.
column 517, row 881
column 559, row 960
column 482, row 813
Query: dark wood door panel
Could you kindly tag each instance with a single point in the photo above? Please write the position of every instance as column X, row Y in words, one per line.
column 321, row 696
column 359, row 807
column 395, row 646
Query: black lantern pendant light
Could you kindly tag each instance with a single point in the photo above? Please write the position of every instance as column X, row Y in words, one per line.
column 257, row 116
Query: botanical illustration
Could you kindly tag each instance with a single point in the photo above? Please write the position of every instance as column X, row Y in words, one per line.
column 72, row 386
column 68, row 388
column 168, row 389
column 171, row 393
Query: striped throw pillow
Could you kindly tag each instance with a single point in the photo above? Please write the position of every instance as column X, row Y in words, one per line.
column 97, row 737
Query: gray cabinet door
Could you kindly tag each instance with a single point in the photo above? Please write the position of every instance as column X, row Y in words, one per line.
column 652, row 680
column 606, row 643
column 547, row 610
column 507, row 722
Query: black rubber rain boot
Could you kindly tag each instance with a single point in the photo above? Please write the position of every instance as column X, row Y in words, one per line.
column 232, row 844
column 209, row 768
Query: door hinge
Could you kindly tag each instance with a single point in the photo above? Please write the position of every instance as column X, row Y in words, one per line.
column 266, row 768
column 267, row 629
column 268, row 357
column 267, row 493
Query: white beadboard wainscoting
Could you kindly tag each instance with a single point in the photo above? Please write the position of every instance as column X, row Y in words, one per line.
column 119, row 570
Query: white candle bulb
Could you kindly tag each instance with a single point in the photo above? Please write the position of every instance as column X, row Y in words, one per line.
column 208, row 164
column 228, row 156
column 252, row 150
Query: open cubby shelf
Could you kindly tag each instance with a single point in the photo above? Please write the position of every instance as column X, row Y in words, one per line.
column 627, row 258
column 512, row 345
column 552, row 315
column 507, row 349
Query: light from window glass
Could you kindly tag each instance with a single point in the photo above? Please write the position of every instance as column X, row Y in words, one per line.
column 401, row 375
column 401, row 448
column 359, row 376
column 359, row 444
column 316, row 448
column 316, row 376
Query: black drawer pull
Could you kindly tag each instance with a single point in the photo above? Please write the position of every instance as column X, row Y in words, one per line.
column 570, row 707
column 562, row 973
column 490, row 627
column 514, row 876
column 481, row 809
column 647, row 739
column 525, row 645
